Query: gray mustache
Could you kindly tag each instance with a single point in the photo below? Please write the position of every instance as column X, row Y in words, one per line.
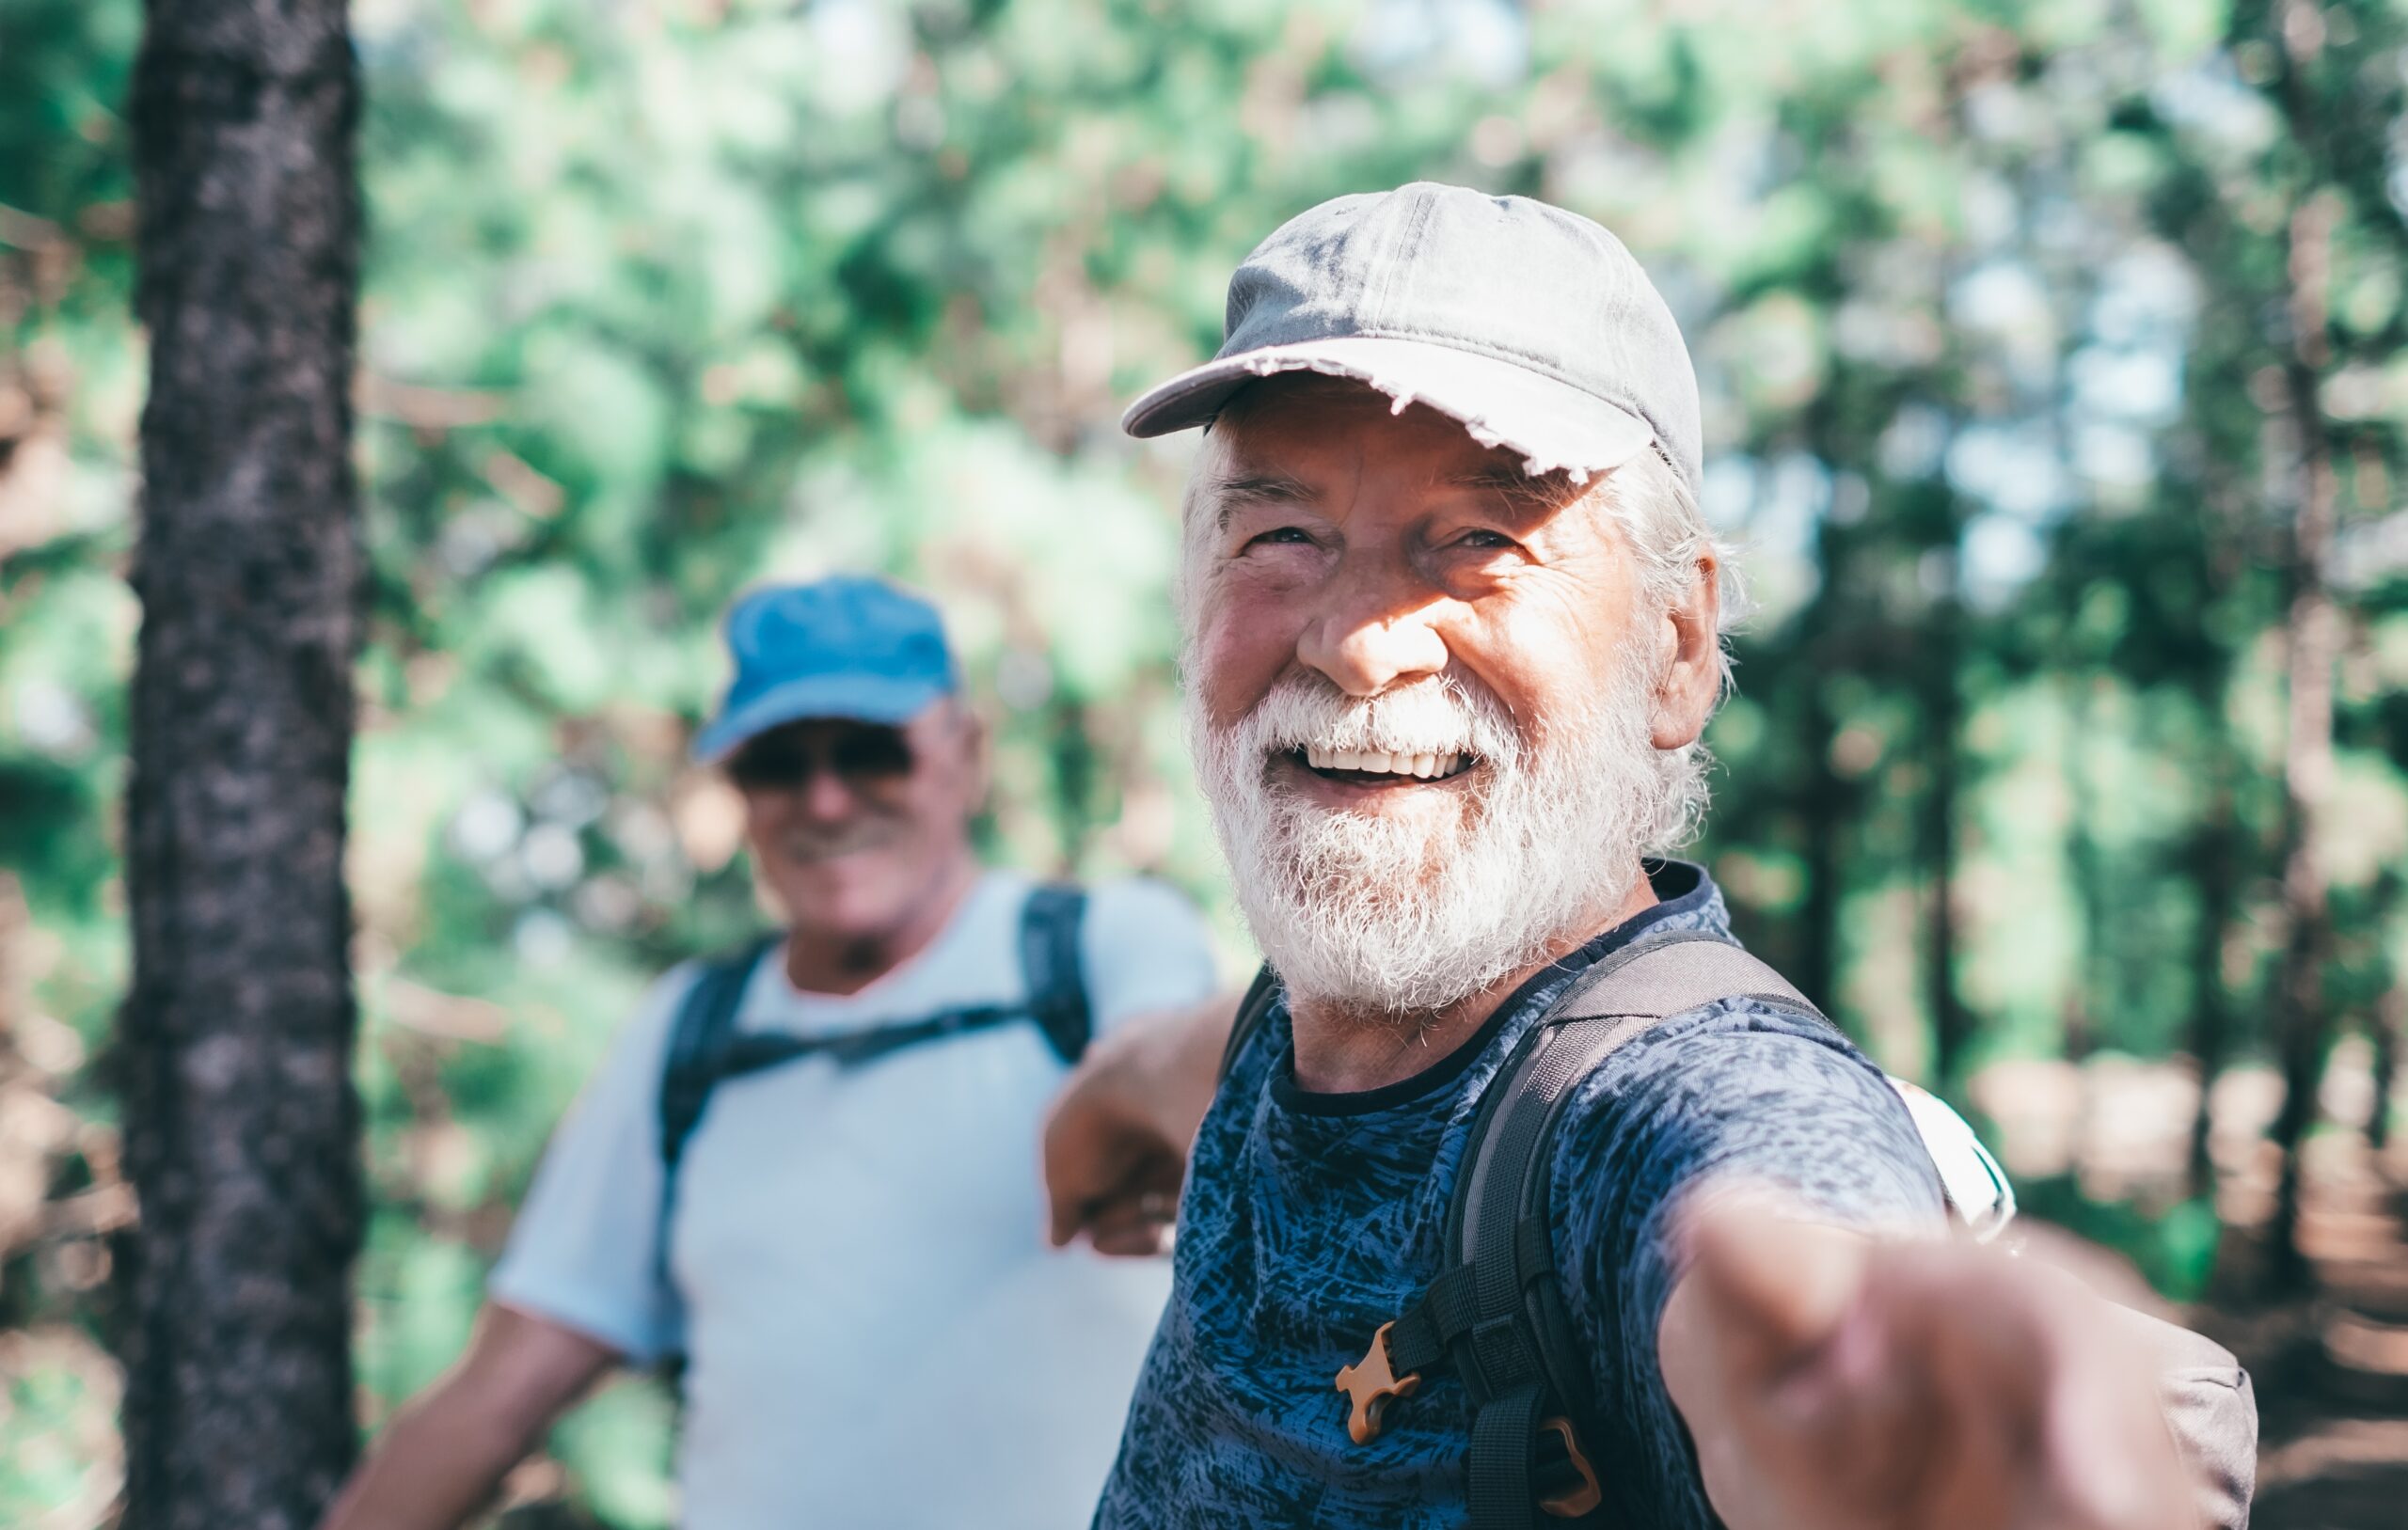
column 851, row 840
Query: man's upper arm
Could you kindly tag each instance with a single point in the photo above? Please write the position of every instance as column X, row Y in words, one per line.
column 1715, row 1100
column 1145, row 948
column 585, row 1250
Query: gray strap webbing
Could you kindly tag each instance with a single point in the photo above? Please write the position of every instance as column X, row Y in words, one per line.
column 1254, row 1011
column 1511, row 1339
column 1671, row 976
column 1639, row 985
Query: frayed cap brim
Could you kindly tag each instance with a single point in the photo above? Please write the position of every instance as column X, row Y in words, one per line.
column 1552, row 425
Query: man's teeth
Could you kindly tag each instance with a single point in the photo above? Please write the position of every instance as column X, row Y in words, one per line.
column 1427, row 766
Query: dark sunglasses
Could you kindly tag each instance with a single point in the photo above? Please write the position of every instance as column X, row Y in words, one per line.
column 859, row 756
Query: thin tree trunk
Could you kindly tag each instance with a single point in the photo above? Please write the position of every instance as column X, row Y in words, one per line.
column 1950, row 1023
column 2087, row 995
column 1824, row 809
column 2390, row 1040
column 1825, row 802
column 2212, row 865
column 234, row 1050
column 2387, row 1013
column 2313, row 634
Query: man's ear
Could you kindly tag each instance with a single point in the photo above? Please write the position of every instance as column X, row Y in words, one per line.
column 978, row 751
column 1692, row 680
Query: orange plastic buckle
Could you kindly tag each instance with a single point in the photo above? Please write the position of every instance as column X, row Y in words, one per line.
column 1370, row 1385
column 1570, row 1504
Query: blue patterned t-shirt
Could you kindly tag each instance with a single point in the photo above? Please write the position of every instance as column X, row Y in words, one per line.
column 1309, row 1220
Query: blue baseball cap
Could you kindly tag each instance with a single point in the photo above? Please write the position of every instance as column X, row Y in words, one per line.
column 842, row 647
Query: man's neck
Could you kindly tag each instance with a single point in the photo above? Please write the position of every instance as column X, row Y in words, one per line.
column 819, row 962
column 1341, row 1052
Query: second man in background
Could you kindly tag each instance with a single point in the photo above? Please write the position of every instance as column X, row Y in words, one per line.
column 809, row 1169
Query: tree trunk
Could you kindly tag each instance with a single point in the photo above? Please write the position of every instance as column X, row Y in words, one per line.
column 2390, row 1037
column 234, row 1050
column 2089, row 995
column 1823, row 809
column 2313, row 635
column 1950, row 1023
column 2211, row 860
column 1824, row 800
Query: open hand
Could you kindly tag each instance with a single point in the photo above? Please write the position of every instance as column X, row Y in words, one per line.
column 1831, row 1381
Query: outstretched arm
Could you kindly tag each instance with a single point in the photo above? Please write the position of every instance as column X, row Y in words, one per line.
column 1831, row 1380
column 444, row 1456
column 1117, row 1138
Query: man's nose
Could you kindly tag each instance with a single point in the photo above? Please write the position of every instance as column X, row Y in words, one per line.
column 826, row 795
column 1365, row 648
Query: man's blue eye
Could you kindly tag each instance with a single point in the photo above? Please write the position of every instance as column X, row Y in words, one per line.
column 1283, row 534
column 1486, row 539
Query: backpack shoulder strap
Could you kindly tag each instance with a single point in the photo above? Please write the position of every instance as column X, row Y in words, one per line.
column 698, row 1043
column 1672, row 975
column 1254, row 1011
column 1050, row 922
column 1496, row 1310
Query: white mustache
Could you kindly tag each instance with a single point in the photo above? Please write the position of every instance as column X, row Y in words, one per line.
column 1432, row 728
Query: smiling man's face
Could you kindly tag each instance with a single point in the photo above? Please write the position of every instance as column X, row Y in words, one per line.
column 855, row 827
column 1428, row 695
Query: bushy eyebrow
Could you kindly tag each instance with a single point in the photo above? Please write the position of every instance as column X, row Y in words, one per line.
column 1514, row 485
column 1259, row 489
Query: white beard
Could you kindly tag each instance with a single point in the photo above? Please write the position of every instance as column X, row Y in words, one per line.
column 1401, row 914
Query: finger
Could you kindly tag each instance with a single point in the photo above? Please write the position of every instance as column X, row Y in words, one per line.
column 1776, row 1288
column 1085, row 1154
column 1144, row 1185
column 1786, row 1372
column 1065, row 1211
column 1130, row 1230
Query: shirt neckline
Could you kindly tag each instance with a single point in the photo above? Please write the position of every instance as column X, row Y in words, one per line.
column 877, row 997
column 1681, row 888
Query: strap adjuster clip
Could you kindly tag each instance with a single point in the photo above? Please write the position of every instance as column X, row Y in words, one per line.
column 1575, row 1501
column 1370, row 1385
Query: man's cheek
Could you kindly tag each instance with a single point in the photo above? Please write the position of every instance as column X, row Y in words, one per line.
column 1239, row 651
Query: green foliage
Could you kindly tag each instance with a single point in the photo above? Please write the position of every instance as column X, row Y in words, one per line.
column 666, row 298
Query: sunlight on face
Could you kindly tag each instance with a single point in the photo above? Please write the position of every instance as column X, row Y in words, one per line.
column 1420, row 698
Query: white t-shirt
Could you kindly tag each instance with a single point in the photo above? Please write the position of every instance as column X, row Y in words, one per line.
column 876, row 1332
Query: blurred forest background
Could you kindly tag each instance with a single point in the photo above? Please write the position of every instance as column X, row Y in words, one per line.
column 2048, row 353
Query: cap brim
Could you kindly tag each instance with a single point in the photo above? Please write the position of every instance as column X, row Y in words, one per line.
column 854, row 698
column 1551, row 424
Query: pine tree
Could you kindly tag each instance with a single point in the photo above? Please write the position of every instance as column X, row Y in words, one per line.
column 235, row 1042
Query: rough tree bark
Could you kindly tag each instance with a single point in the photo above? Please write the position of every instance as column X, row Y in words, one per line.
column 234, row 1049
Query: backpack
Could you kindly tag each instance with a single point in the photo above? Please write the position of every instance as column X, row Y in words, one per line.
column 705, row 1047
column 1497, row 1312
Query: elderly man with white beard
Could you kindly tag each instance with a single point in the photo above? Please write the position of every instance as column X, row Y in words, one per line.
column 1451, row 624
